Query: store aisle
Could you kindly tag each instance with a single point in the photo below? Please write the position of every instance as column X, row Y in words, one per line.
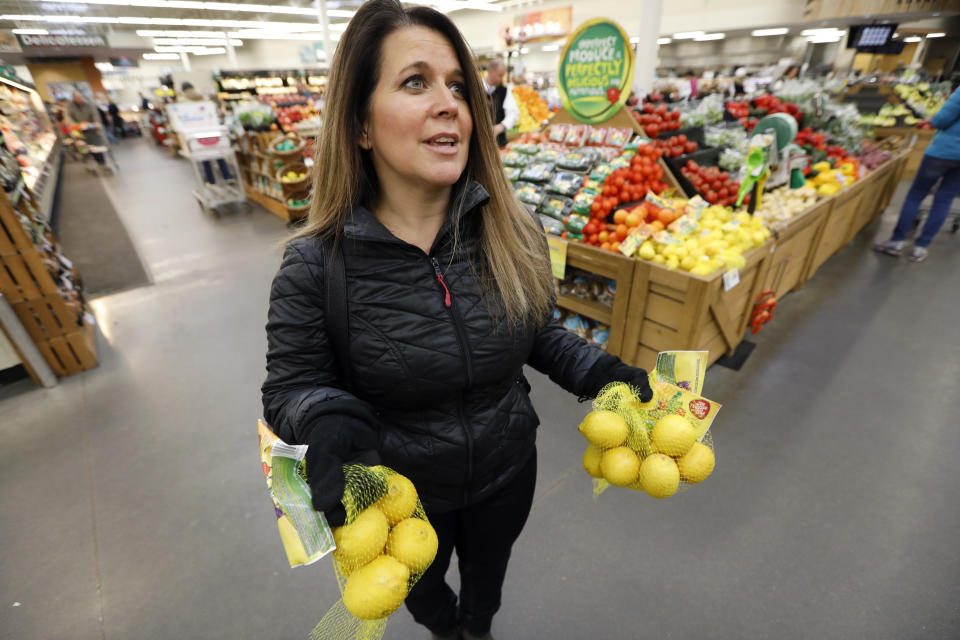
column 133, row 506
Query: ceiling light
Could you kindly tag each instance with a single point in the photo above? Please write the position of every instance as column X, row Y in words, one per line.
column 710, row 36
column 254, row 34
column 823, row 39
column 161, row 56
column 197, row 41
column 664, row 40
column 103, row 66
column 913, row 39
column 634, row 40
column 197, row 51
column 198, row 5
column 524, row 51
column 779, row 31
column 31, row 32
column 688, row 35
column 939, row 34
column 829, row 31
column 449, row 6
column 285, row 27
column 550, row 47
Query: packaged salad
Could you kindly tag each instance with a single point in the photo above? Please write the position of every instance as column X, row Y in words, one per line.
column 555, row 206
column 514, row 159
column 528, row 193
column 537, row 172
column 565, row 183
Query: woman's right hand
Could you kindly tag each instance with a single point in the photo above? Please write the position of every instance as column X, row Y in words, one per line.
column 336, row 440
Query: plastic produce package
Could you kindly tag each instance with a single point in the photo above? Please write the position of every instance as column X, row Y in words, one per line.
column 658, row 447
column 378, row 554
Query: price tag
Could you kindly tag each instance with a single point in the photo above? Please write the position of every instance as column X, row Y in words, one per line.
column 308, row 162
column 731, row 279
column 558, row 256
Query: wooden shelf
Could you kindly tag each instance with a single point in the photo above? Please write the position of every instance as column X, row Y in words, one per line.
column 269, row 203
column 589, row 308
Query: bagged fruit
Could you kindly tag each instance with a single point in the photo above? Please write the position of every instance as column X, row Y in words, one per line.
column 379, row 553
column 658, row 447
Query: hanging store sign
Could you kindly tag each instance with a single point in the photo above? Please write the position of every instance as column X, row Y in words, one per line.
column 540, row 25
column 62, row 41
column 596, row 71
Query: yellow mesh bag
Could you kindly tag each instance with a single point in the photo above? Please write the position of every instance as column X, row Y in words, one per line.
column 658, row 447
column 379, row 553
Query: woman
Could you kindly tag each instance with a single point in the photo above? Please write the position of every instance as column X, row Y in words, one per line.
column 941, row 162
column 449, row 294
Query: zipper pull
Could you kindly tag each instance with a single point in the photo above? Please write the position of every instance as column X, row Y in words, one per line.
column 436, row 269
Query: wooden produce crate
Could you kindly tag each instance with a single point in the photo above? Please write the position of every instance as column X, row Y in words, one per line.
column 48, row 317
column 915, row 155
column 675, row 310
column 13, row 237
column 835, row 232
column 71, row 353
column 23, row 276
column 873, row 185
column 794, row 249
column 609, row 265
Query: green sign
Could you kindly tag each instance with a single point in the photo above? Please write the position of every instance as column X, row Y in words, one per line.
column 596, row 71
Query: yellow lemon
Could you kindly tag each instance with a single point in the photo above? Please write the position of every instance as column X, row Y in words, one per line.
column 591, row 461
column 697, row 463
column 604, row 429
column 376, row 590
column 620, row 466
column 414, row 543
column 659, row 476
column 673, row 435
column 362, row 540
column 400, row 501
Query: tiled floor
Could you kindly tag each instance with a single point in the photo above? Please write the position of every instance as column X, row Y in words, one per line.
column 133, row 506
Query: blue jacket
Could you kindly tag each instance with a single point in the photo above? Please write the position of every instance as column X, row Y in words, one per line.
column 946, row 143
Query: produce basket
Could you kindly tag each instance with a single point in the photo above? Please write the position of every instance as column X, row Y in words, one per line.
column 694, row 134
column 705, row 157
column 297, row 210
column 291, row 185
column 287, row 154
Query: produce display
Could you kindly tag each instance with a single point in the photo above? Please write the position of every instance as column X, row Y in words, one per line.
column 26, row 129
column 829, row 179
column 293, row 176
column 922, row 98
column 532, row 107
column 297, row 203
column 291, row 109
column 655, row 119
column 716, row 186
column 675, row 146
column 779, row 206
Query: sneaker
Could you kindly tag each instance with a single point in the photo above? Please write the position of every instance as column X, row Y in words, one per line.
column 889, row 247
column 918, row 254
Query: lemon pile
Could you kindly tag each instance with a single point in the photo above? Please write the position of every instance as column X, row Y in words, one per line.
column 719, row 242
column 383, row 551
column 654, row 462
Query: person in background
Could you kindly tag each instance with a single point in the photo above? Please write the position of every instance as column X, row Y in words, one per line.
column 448, row 295
column 144, row 103
column 941, row 162
column 691, row 79
column 503, row 106
column 192, row 95
column 116, row 122
column 81, row 112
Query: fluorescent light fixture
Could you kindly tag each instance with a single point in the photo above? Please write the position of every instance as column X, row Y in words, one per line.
column 550, row 47
column 823, row 39
column 664, row 40
column 524, row 51
column 779, row 31
column 161, row 56
column 254, row 34
column 197, row 51
column 203, row 42
column 939, row 34
column 634, row 40
column 234, row 7
column 449, row 6
column 103, row 66
column 913, row 39
column 710, row 36
column 829, row 31
column 283, row 27
column 687, row 35
column 31, row 32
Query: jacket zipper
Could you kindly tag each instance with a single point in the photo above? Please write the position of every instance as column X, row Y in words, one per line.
column 467, row 370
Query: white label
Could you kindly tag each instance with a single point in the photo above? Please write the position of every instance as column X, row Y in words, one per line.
column 731, row 279
column 308, row 162
column 65, row 262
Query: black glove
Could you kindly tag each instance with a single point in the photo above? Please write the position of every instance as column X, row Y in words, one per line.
column 609, row 369
column 335, row 440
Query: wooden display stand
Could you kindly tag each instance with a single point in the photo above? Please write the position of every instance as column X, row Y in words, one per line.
column 671, row 310
column 256, row 163
column 623, row 120
column 835, row 233
column 915, row 156
column 793, row 249
column 610, row 265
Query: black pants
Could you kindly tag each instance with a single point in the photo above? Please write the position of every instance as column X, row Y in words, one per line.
column 483, row 535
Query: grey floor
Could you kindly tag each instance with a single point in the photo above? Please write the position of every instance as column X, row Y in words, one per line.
column 133, row 507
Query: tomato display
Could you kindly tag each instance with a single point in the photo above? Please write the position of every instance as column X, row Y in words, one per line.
column 714, row 185
column 676, row 146
column 654, row 119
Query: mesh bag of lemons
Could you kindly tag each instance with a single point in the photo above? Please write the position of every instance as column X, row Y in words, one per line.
column 658, row 447
column 379, row 553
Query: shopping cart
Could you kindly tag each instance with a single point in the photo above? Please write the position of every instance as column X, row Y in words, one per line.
column 92, row 141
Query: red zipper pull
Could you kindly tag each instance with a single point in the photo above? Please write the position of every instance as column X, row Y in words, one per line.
column 436, row 269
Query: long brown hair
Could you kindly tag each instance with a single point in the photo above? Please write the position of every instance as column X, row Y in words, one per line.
column 516, row 263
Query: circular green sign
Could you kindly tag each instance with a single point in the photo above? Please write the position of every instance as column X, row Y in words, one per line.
column 596, row 71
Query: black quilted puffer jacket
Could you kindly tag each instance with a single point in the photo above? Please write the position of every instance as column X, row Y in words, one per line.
column 444, row 381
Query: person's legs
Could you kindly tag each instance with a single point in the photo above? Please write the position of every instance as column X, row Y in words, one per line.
column 224, row 169
column 431, row 601
column 99, row 157
column 948, row 190
column 486, row 534
column 208, row 171
column 928, row 173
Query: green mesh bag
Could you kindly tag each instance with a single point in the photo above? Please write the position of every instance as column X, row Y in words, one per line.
column 379, row 553
column 660, row 447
